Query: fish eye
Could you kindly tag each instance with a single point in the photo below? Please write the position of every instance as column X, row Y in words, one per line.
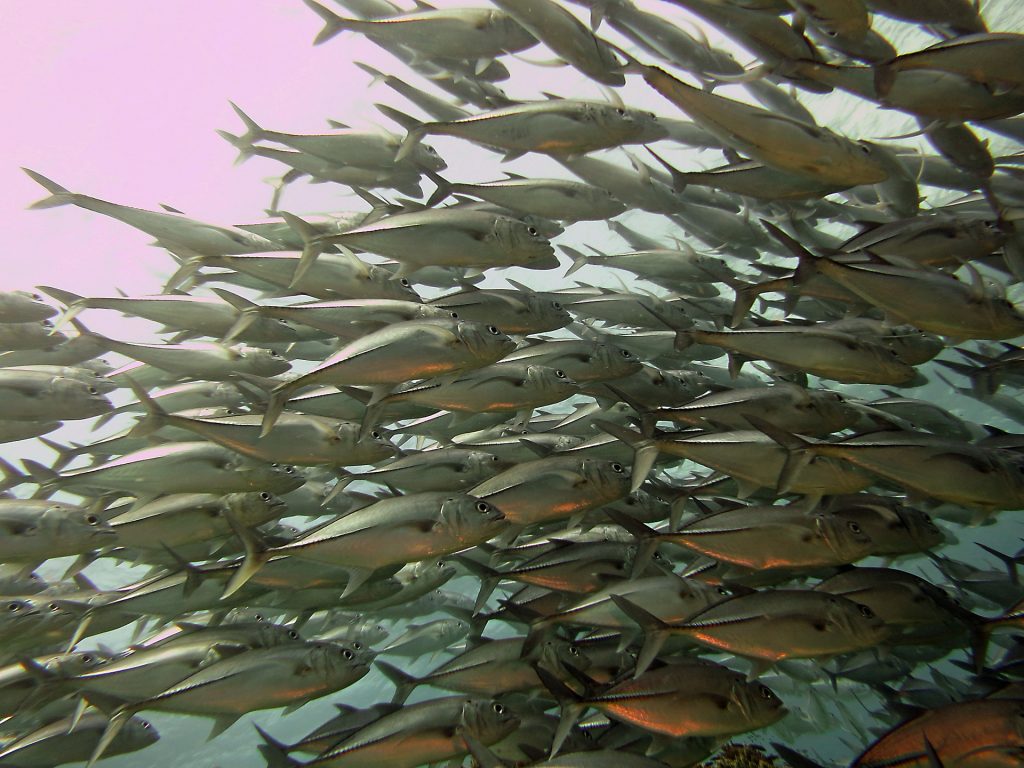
column 853, row 527
column 274, row 354
column 621, row 111
column 483, row 506
column 289, row 470
column 454, row 315
column 440, row 563
column 91, row 519
column 498, row 709
column 405, row 283
column 556, row 305
column 493, row 330
column 14, row 607
column 560, row 374
column 375, row 435
column 348, row 654
column 866, row 612
column 357, row 646
column 37, row 297
column 145, row 724
column 292, row 634
column 53, row 606
column 92, row 390
column 265, row 496
column 723, row 591
column 574, row 651
column 766, row 692
column 87, row 659
column 864, row 148
column 533, row 231
column 616, row 467
column 625, row 353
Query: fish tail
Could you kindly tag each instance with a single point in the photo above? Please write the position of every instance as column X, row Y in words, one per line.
column 404, row 682
column 11, row 476
column 275, row 752
column 253, row 132
column 412, row 139
column 333, row 23
column 746, row 295
column 256, row 555
column 155, row 418
column 72, row 301
column 58, row 195
column 117, row 722
column 248, row 313
column 793, row 758
column 885, row 76
column 980, row 635
column 579, row 260
column 645, row 450
column 65, row 453
column 489, row 579
column 654, row 629
column 376, row 74
column 444, row 188
column 569, row 703
column 646, row 539
column 311, row 247
column 278, row 398
column 241, row 143
column 799, row 451
column 344, row 478
column 44, row 477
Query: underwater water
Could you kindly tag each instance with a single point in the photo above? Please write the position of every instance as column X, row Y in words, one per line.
column 833, row 723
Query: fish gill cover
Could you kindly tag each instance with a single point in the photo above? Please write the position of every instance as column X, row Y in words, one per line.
column 651, row 400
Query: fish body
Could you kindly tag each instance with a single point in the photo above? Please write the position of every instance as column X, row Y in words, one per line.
column 199, row 467
column 775, row 140
column 553, row 488
column 560, row 127
column 39, row 395
column 451, row 33
column 173, row 231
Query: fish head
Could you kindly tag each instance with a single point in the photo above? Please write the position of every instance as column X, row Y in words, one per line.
column 524, row 240
column 547, row 311
column 838, row 19
column 833, row 409
column 426, row 157
column 645, row 126
column 610, row 479
column 490, row 721
column 339, row 662
column 272, row 478
column 509, row 33
column 480, row 465
column 262, row 362
column 471, row 518
column 268, row 635
column 78, row 396
column 757, row 703
column 137, row 734
column 553, row 381
column 255, row 508
column 614, row 362
column 847, row 538
column 384, row 285
column 77, row 663
column 66, row 522
column 554, row 653
column 914, row 346
column 486, row 342
column 546, row 227
column 854, row 621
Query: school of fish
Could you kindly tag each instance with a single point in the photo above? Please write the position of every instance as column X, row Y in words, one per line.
column 694, row 492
